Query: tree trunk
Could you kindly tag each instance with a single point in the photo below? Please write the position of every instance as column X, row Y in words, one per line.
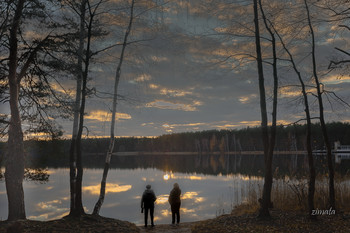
column 322, row 119
column 75, row 205
column 264, row 210
column 312, row 173
column 272, row 140
column 14, row 166
column 99, row 203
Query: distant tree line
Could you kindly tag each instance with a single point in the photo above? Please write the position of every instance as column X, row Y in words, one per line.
column 289, row 138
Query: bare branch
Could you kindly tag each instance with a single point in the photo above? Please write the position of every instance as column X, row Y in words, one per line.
column 31, row 59
column 344, row 26
column 342, row 51
column 337, row 97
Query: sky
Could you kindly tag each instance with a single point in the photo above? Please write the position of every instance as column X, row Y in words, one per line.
column 183, row 77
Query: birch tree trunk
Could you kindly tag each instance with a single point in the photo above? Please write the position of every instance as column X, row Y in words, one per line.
column 99, row 203
column 321, row 112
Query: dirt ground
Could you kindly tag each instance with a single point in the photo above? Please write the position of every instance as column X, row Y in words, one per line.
column 168, row 228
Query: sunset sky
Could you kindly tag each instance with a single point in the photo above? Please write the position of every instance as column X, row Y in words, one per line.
column 183, row 77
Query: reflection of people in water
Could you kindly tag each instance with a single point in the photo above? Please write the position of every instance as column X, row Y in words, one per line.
column 175, row 203
column 147, row 203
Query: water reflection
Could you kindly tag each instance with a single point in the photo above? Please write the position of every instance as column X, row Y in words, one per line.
column 166, row 177
column 110, row 188
column 200, row 199
column 211, row 185
column 246, row 164
column 40, row 175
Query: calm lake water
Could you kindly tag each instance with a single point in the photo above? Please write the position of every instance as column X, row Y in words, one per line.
column 211, row 185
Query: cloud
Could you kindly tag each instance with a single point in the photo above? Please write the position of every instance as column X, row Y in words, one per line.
column 159, row 58
column 336, row 79
column 99, row 115
column 174, row 93
column 194, row 75
column 143, row 77
column 174, row 106
column 247, row 99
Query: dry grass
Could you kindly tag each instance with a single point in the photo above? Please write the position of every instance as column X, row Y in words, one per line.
column 291, row 195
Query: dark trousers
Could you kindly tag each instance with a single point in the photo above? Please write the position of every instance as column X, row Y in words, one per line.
column 151, row 213
column 175, row 210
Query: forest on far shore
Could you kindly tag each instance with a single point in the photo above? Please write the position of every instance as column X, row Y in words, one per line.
column 289, row 138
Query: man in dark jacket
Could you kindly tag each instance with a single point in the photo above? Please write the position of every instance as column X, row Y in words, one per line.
column 147, row 203
column 175, row 203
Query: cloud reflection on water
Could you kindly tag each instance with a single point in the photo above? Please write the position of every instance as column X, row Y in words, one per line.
column 110, row 188
column 201, row 194
column 51, row 210
column 162, row 199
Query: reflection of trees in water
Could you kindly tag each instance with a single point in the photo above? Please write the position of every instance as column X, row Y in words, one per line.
column 246, row 164
column 209, row 164
column 40, row 175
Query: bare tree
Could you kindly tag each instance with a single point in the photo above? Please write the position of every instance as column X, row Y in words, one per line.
column 321, row 111
column 75, row 175
column 312, row 173
column 99, row 203
column 87, row 13
column 266, row 198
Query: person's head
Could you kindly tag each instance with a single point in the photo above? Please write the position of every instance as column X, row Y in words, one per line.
column 148, row 186
column 176, row 185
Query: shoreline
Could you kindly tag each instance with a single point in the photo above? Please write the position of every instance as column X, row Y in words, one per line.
column 141, row 153
column 280, row 221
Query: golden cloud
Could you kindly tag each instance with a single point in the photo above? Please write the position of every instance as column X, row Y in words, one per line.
column 63, row 90
column 336, row 79
column 143, row 77
column 250, row 123
column 100, row 115
column 246, row 99
column 153, row 86
column 226, row 126
column 174, row 106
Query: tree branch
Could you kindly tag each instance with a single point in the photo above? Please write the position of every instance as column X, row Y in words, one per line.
column 30, row 59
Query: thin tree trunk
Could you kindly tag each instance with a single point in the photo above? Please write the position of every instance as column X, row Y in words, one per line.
column 74, row 206
column 14, row 166
column 99, row 203
column 264, row 210
column 322, row 119
column 274, row 108
column 79, row 181
column 312, row 173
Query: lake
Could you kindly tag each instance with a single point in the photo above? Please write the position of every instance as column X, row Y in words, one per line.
column 211, row 185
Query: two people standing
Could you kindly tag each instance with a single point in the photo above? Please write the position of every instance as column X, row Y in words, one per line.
column 148, row 199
